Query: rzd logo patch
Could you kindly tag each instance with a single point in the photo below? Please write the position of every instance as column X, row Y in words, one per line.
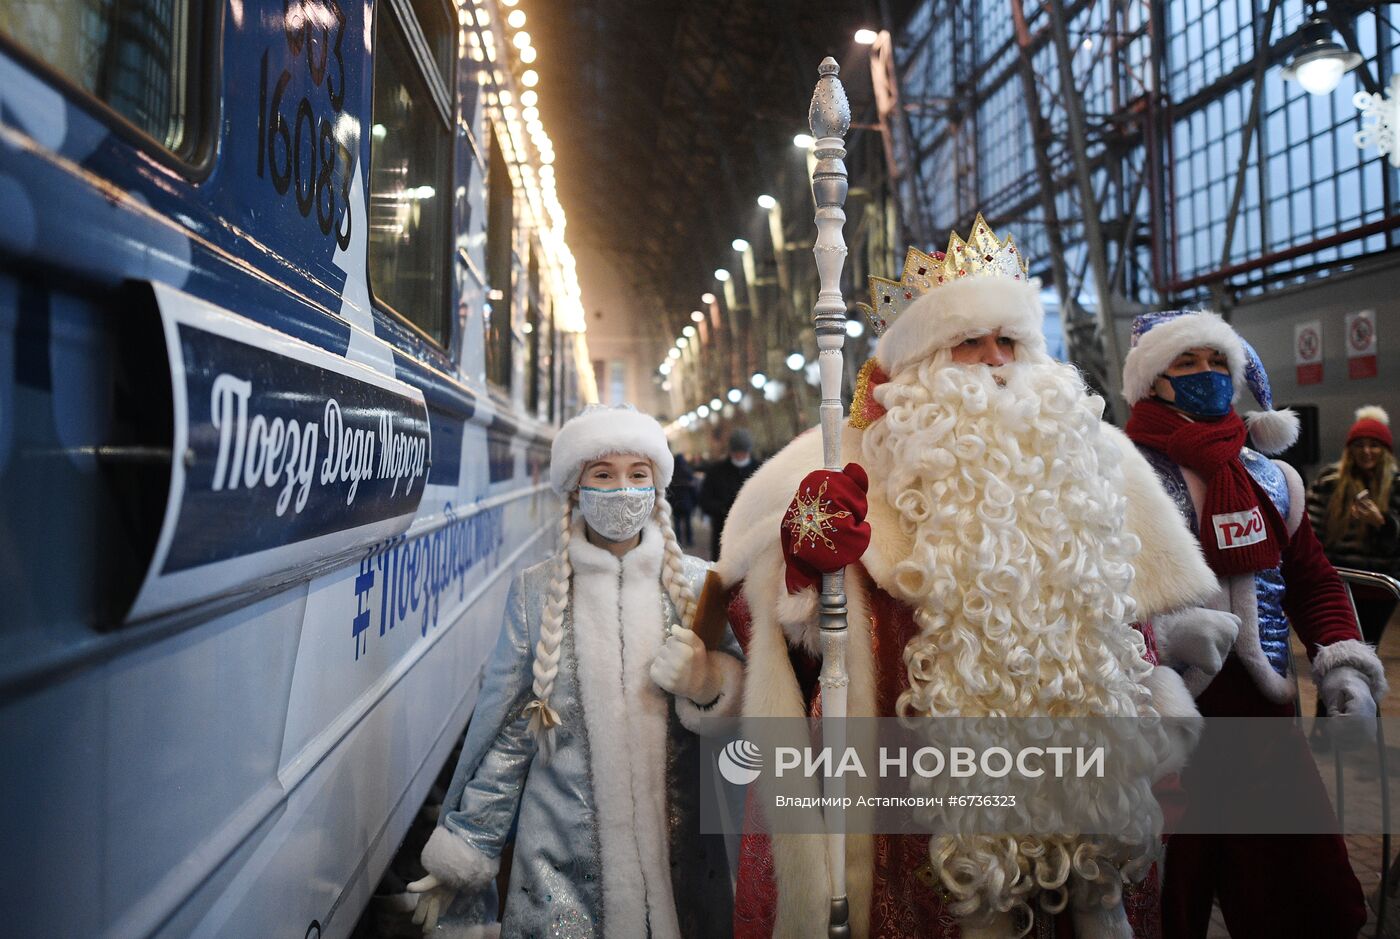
column 1237, row 529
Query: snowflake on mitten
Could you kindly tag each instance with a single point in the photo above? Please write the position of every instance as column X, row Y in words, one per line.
column 809, row 519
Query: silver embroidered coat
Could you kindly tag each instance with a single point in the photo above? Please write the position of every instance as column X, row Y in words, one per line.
column 607, row 839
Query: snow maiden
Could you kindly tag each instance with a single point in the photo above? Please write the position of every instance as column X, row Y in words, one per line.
column 575, row 728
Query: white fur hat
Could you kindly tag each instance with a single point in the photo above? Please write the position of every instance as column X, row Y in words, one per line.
column 952, row 312
column 974, row 288
column 601, row 430
column 1158, row 338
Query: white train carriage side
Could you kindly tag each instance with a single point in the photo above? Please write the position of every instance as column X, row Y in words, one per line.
column 286, row 322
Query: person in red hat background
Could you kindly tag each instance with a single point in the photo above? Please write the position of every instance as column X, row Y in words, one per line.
column 1182, row 376
column 1355, row 508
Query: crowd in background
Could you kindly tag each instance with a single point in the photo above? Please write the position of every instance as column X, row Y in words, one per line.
column 711, row 486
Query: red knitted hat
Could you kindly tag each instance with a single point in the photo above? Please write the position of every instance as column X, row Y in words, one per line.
column 1371, row 423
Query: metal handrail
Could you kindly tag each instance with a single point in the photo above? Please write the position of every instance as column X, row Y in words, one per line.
column 1352, row 576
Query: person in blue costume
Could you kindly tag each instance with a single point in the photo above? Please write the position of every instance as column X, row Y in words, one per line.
column 1183, row 376
column 586, row 725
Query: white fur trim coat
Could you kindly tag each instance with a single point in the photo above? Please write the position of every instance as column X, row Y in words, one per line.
column 607, row 840
column 1170, row 573
column 1239, row 594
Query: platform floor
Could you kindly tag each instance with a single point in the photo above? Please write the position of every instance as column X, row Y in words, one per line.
column 1365, row 850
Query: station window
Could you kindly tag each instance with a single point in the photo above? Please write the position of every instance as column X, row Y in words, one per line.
column 410, row 167
column 500, row 250
column 617, row 383
column 138, row 57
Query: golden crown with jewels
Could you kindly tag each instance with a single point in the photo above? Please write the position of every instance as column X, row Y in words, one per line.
column 981, row 255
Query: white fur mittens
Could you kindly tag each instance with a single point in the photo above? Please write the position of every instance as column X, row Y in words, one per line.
column 1195, row 637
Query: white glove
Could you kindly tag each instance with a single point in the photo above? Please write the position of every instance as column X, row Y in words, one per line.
column 435, row 897
column 1351, row 708
column 1093, row 914
column 682, row 667
column 1196, row 637
column 1101, row 924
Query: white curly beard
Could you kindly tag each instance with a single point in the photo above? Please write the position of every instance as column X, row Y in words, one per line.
column 1019, row 577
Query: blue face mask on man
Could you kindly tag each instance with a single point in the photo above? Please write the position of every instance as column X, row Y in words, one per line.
column 1203, row 394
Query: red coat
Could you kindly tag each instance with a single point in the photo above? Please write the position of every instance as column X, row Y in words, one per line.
column 781, row 677
column 906, row 900
column 1274, row 885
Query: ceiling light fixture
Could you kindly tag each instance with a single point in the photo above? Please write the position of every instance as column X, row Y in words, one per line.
column 1320, row 62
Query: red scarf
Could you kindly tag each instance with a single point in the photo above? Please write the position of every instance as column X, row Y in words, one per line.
column 1240, row 530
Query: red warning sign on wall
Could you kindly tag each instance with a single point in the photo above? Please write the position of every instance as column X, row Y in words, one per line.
column 1361, row 344
column 1307, row 352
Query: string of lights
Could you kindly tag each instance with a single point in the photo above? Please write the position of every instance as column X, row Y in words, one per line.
column 512, row 97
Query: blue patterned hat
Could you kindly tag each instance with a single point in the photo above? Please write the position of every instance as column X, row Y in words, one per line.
column 1158, row 338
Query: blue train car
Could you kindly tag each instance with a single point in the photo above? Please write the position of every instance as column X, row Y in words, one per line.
column 286, row 320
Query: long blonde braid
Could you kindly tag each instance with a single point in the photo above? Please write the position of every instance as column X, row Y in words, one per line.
column 543, row 718
column 673, row 566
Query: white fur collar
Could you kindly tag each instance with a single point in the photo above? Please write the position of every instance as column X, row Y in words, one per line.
column 1170, row 571
column 645, row 558
column 618, row 628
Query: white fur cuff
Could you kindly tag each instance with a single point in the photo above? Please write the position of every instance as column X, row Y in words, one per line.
column 449, row 858
column 798, row 614
column 1101, row 924
column 716, row 718
column 799, row 609
column 1182, row 721
column 1355, row 654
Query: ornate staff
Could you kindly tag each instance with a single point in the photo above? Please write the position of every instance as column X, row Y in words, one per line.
column 830, row 119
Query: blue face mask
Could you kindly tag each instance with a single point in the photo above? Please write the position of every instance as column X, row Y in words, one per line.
column 1204, row 394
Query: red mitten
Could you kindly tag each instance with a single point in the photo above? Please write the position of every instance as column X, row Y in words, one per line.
column 825, row 528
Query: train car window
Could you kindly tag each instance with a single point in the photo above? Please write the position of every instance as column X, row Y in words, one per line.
column 137, row 57
column 500, row 233
column 437, row 19
column 533, row 362
column 552, row 344
column 410, row 181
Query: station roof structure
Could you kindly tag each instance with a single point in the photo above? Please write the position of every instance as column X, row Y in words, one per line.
column 671, row 117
